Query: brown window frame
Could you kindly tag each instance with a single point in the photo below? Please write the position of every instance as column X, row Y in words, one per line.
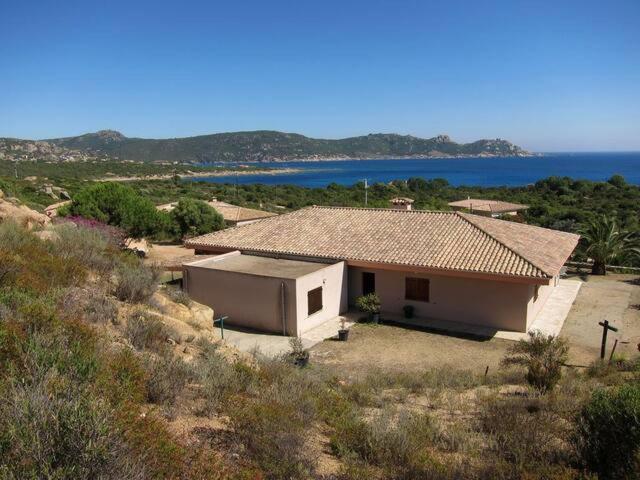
column 314, row 306
column 414, row 289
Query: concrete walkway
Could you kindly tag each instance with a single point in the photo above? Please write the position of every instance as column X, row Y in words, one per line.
column 272, row 344
column 551, row 317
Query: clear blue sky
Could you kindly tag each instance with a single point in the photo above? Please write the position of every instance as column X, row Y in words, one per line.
column 548, row 75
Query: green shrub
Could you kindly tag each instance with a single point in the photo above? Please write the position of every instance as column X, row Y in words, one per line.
column 91, row 305
column 135, row 283
column 195, row 217
column 275, row 437
column 118, row 205
column 543, row 356
column 368, row 303
column 166, row 377
column 145, row 331
column 178, row 295
column 608, row 435
column 526, row 432
column 66, row 434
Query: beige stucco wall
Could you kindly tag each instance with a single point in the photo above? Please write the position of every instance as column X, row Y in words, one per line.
column 534, row 306
column 503, row 305
column 333, row 280
column 255, row 301
column 250, row 301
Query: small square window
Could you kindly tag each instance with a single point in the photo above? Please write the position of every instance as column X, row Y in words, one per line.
column 416, row 289
column 314, row 300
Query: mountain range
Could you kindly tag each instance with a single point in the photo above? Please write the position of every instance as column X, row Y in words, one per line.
column 263, row 145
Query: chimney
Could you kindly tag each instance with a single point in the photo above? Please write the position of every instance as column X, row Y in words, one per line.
column 401, row 203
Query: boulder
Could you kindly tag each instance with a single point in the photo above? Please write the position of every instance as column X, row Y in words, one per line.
column 21, row 214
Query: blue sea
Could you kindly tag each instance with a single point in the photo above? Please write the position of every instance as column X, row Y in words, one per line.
column 486, row 172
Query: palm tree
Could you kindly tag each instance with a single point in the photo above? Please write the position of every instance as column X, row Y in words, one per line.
column 543, row 356
column 604, row 242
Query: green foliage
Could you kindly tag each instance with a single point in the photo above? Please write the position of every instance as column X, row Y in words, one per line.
column 195, row 217
column 369, row 303
column 135, row 282
column 605, row 242
column 543, row 356
column 608, row 436
column 118, row 205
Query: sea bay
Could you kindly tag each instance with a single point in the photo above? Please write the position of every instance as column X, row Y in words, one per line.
column 477, row 171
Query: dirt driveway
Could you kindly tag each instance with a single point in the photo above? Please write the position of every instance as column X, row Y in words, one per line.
column 391, row 347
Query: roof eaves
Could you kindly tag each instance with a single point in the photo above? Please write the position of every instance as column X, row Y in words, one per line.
column 518, row 254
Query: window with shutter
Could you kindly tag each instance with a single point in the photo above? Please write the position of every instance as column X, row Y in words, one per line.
column 417, row 289
column 314, row 300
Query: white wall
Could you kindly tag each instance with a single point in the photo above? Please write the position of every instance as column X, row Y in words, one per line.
column 333, row 280
column 503, row 305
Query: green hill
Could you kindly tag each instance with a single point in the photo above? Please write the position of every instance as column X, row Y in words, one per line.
column 270, row 145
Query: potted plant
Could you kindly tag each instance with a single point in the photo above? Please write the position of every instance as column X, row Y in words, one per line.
column 370, row 304
column 298, row 355
column 408, row 311
column 343, row 333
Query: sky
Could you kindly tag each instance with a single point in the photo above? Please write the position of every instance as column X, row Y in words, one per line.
column 558, row 75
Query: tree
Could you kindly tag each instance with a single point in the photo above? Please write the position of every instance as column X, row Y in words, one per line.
column 195, row 217
column 117, row 205
column 543, row 355
column 604, row 242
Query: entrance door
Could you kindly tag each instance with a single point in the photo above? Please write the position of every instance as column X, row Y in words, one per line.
column 368, row 283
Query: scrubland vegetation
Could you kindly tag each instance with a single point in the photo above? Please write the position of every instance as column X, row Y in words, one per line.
column 93, row 385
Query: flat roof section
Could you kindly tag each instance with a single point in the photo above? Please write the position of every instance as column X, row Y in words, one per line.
column 263, row 266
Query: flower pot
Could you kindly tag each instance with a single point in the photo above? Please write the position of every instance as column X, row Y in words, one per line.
column 408, row 311
column 343, row 335
column 375, row 317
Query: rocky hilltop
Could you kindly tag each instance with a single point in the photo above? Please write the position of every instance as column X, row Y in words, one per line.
column 256, row 146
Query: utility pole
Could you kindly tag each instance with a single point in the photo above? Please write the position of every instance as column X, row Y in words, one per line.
column 605, row 329
column 366, row 186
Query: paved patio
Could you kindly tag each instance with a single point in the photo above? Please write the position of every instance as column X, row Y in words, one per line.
column 274, row 344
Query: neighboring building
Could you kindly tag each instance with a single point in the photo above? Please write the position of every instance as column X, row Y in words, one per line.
column 491, row 208
column 401, row 203
column 448, row 265
column 233, row 215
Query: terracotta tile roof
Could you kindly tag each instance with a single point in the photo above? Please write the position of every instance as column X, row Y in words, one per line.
column 483, row 205
column 234, row 213
column 231, row 213
column 436, row 240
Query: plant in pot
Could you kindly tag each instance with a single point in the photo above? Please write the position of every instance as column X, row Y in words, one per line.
column 298, row 355
column 343, row 333
column 370, row 304
column 408, row 311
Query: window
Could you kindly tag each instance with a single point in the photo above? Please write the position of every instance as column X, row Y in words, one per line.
column 368, row 283
column 314, row 300
column 416, row 289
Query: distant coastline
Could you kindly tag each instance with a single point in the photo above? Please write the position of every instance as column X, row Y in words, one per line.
column 215, row 173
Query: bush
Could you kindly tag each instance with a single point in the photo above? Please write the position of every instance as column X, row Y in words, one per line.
column 118, row 205
column 368, row 303
column 526, row 432
column 178, row 295
column 69, row 434
column 275, row 436
column 166, row 377
column 145, row 331
column 91, row 305
column 195, row 217
column 135, row 283
column 608, row 435
column 543, row 356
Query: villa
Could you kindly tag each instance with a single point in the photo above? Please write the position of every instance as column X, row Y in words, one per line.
column 490, row 208
column 289, row 273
